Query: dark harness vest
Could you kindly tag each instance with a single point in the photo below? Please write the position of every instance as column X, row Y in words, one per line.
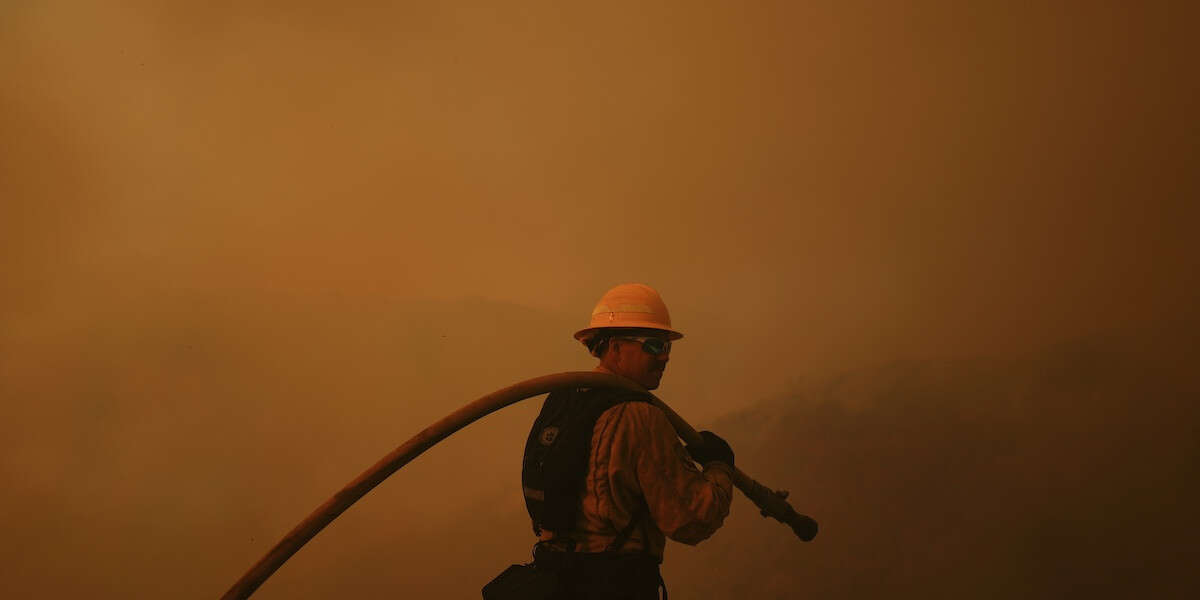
column 553, row 476
column 556, row 455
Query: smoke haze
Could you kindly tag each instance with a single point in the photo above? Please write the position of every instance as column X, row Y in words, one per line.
column 248, row 248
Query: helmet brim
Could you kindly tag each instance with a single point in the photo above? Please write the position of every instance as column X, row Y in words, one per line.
column 672, row 335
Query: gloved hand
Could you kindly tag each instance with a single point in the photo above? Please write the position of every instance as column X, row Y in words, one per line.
column 714, row 448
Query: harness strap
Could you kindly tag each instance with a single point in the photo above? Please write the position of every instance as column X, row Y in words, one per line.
column 642, row 511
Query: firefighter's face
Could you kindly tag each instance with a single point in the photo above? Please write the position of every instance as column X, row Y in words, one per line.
column 631, row 359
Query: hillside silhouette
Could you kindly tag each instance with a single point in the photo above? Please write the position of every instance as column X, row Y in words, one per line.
column 202, row 435
column 1072, row 473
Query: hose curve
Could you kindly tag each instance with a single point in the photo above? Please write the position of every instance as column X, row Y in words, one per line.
column 427, row 438
column 771, row 503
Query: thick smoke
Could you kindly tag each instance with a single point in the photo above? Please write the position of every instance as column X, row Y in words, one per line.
column 246, row 249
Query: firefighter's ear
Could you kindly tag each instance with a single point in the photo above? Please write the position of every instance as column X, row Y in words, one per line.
column 607, row 348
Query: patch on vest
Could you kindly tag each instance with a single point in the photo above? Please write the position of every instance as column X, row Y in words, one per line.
column 548, row 436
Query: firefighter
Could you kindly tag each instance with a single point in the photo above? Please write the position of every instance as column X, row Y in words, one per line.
column 605, row 478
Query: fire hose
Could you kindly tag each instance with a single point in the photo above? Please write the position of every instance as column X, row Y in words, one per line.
column 771, row 503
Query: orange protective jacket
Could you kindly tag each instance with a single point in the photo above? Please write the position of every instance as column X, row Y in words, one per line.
column 635, row 453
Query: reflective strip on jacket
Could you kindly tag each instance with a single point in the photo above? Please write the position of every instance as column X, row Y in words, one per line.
column 636, row 453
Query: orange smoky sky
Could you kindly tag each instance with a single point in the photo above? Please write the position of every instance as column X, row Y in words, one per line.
column 246, row 248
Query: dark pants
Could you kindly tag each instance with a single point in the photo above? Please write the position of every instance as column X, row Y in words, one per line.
column 603, row 576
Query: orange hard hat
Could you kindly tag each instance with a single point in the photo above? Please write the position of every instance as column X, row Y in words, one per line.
column 629, row 306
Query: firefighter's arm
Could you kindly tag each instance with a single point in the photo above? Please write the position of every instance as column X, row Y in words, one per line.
column 687, row 504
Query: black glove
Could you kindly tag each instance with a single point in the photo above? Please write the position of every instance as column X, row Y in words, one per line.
column 714, row 448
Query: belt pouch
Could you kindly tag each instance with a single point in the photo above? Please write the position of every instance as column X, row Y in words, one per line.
column 522, row 582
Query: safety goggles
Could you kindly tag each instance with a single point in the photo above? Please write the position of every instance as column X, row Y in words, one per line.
column 650, row 345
